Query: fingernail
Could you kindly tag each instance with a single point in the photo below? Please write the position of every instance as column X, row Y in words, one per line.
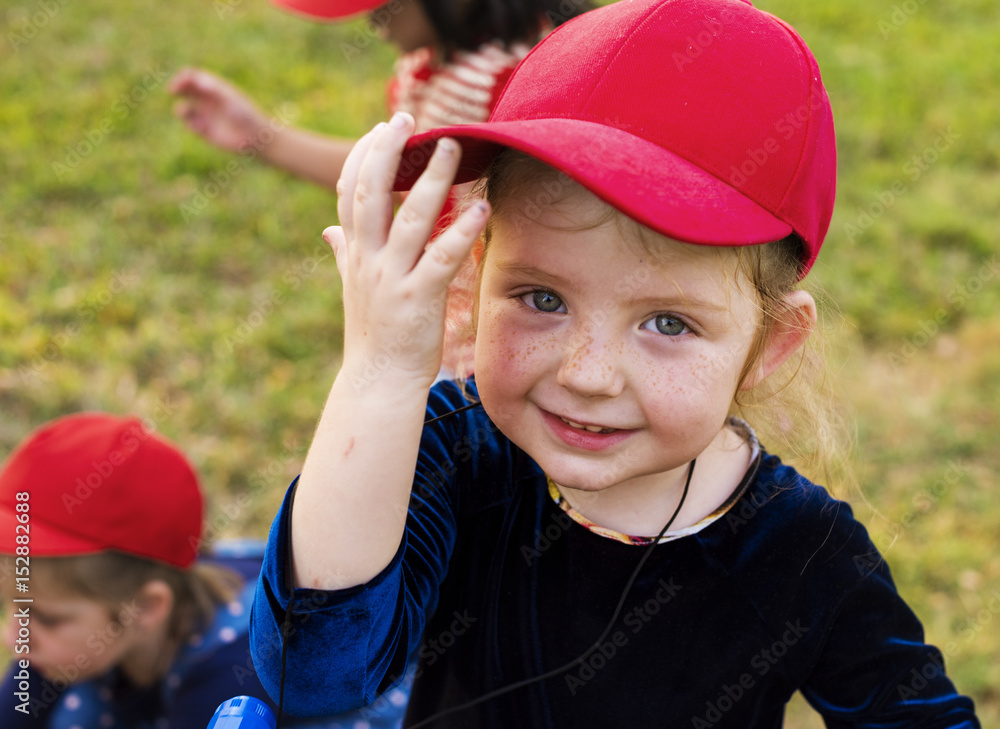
column 446, row 146
column 398, row 121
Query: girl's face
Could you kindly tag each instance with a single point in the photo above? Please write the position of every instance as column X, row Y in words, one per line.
column 71, row 638
column 610, row 366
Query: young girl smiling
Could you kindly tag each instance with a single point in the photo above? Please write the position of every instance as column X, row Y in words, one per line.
column 583, row 534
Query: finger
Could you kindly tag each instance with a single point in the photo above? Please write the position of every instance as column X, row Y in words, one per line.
column 334, row 235
column 194, row 82
column 414, row 223
column 444, row 257
column 373, row 199
column 349, row 180
column 180, row 80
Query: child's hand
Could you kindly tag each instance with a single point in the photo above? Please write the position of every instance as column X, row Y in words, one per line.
column 216, row 110
column 395, row 284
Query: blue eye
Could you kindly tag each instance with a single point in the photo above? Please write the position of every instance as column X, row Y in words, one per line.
column 666, row 324
column 545, row 301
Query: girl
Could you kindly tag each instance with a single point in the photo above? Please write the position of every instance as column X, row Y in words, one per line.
column 112, row 617
column 584, row 534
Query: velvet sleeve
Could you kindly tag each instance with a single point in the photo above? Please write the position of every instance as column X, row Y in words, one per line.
column 346, row 647
column 875, row 669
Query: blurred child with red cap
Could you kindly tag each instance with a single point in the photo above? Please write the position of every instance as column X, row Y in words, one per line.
column 589, row 532
column 456, row 58
column 113, row 618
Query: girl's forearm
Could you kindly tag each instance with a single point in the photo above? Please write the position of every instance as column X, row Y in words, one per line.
column 351, row 502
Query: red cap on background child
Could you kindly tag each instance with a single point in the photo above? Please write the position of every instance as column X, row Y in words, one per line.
column 711, row 126
column 329, row 9
column 97, row 482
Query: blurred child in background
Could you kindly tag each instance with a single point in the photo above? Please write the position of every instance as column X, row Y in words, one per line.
column 111, row 616
column 455, row 58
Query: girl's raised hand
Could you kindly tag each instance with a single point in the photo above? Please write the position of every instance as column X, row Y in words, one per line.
column 395, row 281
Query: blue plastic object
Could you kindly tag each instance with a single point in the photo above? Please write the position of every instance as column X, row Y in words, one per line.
column 243, row 712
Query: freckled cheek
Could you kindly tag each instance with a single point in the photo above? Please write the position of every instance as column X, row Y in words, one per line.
column 503, row 349
column 680, row 397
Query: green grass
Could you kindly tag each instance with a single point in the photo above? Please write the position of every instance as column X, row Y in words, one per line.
column 223, row 327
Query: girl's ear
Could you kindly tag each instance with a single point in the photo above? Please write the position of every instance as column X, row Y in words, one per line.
column 155, row 603
column 788, row 333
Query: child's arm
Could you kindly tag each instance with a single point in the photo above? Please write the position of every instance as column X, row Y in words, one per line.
column 351, row 503
column 228, row 118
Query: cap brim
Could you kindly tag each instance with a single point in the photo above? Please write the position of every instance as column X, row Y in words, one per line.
column 650, row 184
column 326, row 10
column 44, row 540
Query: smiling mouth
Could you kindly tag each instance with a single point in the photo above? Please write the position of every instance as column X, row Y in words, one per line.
column 588, row 428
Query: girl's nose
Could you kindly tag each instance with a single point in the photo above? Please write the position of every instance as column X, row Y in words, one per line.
column 591, row 368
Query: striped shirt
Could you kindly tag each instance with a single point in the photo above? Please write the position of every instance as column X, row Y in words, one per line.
column 462, row 90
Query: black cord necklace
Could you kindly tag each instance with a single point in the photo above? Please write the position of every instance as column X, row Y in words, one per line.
column 597, row 643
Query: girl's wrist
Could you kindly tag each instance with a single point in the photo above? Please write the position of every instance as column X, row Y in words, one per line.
column 378, row 380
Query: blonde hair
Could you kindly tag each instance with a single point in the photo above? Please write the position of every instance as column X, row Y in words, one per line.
column 114, row 578
column 794, row 410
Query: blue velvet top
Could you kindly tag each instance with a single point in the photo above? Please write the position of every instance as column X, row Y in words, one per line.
column 493, row 584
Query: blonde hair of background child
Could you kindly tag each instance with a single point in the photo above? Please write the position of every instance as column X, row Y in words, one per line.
column 114, row 579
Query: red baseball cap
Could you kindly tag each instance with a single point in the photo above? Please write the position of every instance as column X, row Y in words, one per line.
column 704, row 120
column 329, row 9
column 97, row 482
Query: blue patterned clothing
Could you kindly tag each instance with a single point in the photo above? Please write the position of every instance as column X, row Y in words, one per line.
column 213, row 666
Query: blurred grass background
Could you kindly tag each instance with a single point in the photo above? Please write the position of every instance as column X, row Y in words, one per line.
column 143, row 271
